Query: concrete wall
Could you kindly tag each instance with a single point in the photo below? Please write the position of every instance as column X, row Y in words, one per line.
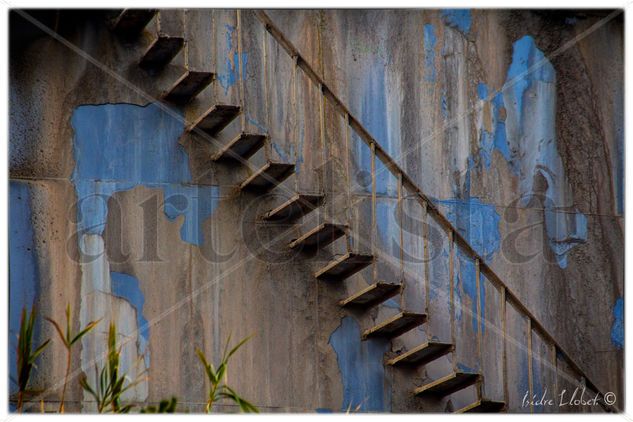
column 511, row 121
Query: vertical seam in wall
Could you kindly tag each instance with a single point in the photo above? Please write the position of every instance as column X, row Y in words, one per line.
column 240, row 71
column 348, row 185
column 504, row 324
column 427, row 270
column 214, row 57
column 184, row 32
column 267, row 100
column 295, row 124
column 451, row 276
column 479, row 334
column 530, row 369
column 374, row 224
column 401, row 248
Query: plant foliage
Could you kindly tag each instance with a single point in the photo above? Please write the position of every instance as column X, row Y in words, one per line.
column 26, row 356
column 218, row 389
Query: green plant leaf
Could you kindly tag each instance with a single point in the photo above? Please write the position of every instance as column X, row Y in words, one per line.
column 38, row 351
column 62, row 336
column 86, row 330
column 240, row 344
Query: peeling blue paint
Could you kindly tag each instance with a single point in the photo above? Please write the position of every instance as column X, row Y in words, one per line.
column 361, row 366
column 439, row 273
column 458, row 18
column 495, row 140
column 374, row 113
column 128, row 287
column 391, row 303
column 466, row 368
column 466, row 281
column 230, row 73
column 617, row 329
column 482, row 91
column 444, row 105
column 528, row 64
column 23, row 265
column 120, row 146
column 529, row 95
column 564, row 232
column 500, row 139
column 429, row 52
column 477, row 221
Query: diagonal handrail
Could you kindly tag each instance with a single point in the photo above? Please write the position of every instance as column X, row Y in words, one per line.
column 409, row 183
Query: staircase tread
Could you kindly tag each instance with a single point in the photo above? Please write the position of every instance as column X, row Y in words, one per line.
column 483, row 406
column 215, row 119
column 372, row 295
column 296, row 207
column 268, row 176
column 244, row 145
column 395, row 326
column 188, row 86
column 449, row 384
column 319, row 236
column 344, row 266
column 161, row 52
column 422, row 354
column 130, row 22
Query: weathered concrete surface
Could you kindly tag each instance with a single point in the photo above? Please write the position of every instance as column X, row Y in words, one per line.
column 531, row 174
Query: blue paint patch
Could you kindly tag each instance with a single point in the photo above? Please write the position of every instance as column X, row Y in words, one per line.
column 477, row 222
column 429, row 52
column 229, row 74
column 128, row 287
column 391, row 303
column 500, row 139
column 495, row 140
column 617, row 329
column 458, row 18
column 529, row 64
column 465, row 368
column 564, row 231
column 374, row 113
column 120, row 146
column 439, row 273
column 482, row 91
column 23, row 266
column 361, row 366
column 323, row 410
column 466, row 277
column 444, row 105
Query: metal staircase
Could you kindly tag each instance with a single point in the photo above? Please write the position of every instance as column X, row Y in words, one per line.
column 271, row 174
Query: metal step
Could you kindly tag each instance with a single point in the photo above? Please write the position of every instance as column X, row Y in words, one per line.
column 422, row 354
column 188, row 86
column 268, row 177
column 215, row 119
column 243, row 145
column 131, row 22
column 320, row 236
column 372, row 295
column 395, row 326
column 448, row 384
column 483, row 406
column 343, row 267
column 294, row 208
column 161, row 52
